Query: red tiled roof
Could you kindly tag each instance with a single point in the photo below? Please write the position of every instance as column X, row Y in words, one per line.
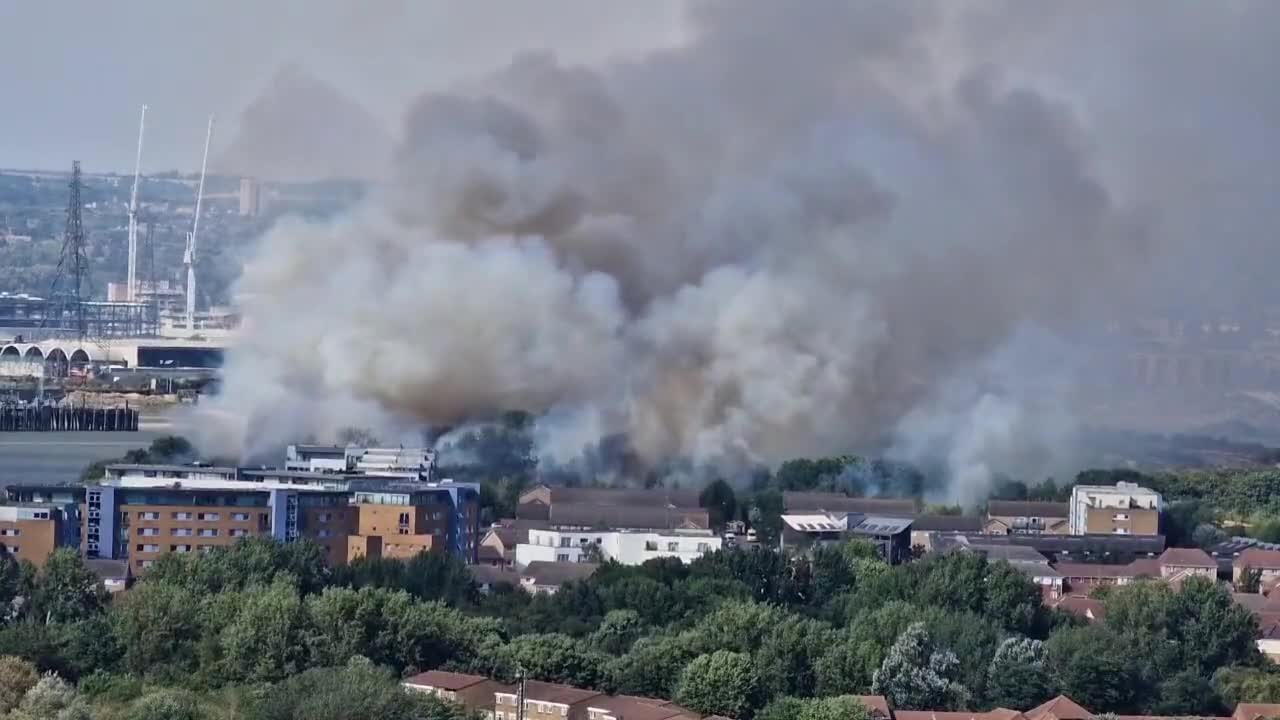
column 1187, row 557
column 1059, row 708
column 1145, row 567
column 445, row 680
column 1258, row 559
column 1253, row 711
column 631, row 707
column 1098, row 570
column 555, row 693
column 1082, row 606
column 877, row 704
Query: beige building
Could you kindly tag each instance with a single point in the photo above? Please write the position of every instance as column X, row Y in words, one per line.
column 30, row 533
column 1120, row 509
column 1006, row 517
column 1177, row 564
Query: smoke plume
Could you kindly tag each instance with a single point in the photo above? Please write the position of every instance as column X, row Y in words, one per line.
column 816, row 227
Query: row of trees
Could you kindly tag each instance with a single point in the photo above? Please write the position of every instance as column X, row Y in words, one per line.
column 739, row 633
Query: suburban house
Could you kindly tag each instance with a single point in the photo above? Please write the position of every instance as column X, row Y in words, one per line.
column 498, row 546
column 547, row 577
column 632, row 707
column 1023, row 559
column 1177, row 564
column 545, row 701
column 1082, row 577
column 472, row 691
column 1007, row 517
column 549, row 701
column 1265, row 562
column 1081, row 606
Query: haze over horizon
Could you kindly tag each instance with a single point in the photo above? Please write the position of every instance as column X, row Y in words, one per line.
column 78, row 98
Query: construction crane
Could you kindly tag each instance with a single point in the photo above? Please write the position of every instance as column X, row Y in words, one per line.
column 132, row 286
column 189, row 257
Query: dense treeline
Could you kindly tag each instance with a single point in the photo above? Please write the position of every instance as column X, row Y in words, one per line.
column 266, row 631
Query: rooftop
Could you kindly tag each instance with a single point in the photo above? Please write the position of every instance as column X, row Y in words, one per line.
column 542, row 572
column 1257, row 558
column 947, row 523
column 538, row 691
column 1022, row 508
column 800, row 502
column 1187, row 557
column 445, row 680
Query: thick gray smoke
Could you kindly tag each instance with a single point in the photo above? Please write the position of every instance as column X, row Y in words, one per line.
column 818, row 227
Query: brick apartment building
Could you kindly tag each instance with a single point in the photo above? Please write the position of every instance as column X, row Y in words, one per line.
column 140, row 512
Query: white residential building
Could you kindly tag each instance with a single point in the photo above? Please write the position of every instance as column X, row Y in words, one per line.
column 1121, row 509
column 628, row 547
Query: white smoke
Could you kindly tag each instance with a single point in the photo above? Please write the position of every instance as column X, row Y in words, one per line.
column 817, row 228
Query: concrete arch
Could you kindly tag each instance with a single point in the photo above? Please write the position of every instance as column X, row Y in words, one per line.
column 80, row 356
column 55, row 362
column 33, row 353
column 10, row 352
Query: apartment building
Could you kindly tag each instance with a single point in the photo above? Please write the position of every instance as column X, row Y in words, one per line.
column 628, row 547
column 139, row 512
column 30, row 532
column 400, row 461
column 1121, row 509
column 664, row 508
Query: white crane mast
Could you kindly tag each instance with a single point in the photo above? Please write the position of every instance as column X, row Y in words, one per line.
column 132, row 282
column 189, row 257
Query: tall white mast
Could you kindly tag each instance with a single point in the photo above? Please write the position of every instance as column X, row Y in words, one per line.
column 190, row 256
column 132, row 287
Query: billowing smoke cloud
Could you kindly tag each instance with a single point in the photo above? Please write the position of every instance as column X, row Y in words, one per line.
column 816, row 228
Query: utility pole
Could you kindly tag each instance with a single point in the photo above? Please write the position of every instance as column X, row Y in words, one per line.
column 520, row 680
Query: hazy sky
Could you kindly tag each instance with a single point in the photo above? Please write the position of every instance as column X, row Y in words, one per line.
column 76, row 71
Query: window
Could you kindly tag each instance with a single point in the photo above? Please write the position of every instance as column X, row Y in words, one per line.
column 182, row 516
column 404, row 518
column 146, row 564
column 704, row 547
column 1120, row 516
column 324, row 533
column 10, row 532
column 1121, row 531
column 207, row 548
column 149, row 532
column 324, row 517
column 673, row 547
column 148, row 516
column 566, row 542
column 240, row 517
column 239, row 532
column 181, row 532
column 562, row 557
column 180, row 548
column 209, row 517
column 208, row 532
column 149, row 548
column 14, row 550
column 650, row 545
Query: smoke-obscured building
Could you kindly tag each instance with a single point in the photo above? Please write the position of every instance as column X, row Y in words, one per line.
column 250, row 197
